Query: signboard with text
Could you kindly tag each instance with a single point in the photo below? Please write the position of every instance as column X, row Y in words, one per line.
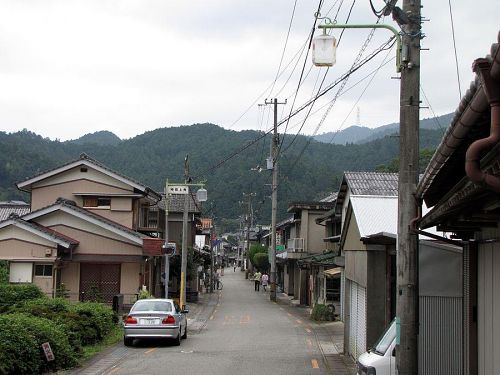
column 48, row 352
column 178, row 189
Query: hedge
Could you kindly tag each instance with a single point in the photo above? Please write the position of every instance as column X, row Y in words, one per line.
column 10, row 294
column 21, row 339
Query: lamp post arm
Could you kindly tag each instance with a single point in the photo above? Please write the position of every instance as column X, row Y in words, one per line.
column 374, row 26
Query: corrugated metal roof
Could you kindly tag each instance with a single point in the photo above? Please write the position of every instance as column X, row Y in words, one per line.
column 375, row 214
column 372, row 183
column 379, row 214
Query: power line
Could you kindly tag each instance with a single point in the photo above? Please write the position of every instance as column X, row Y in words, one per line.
column 284, row 47
column 331, row 86
column 455, row 49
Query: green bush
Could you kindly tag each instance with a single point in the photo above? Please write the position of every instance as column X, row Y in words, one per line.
column 92, row 320
column 261, row 261
column 25, row 354
column 11, row 294
column 4, row 272
column 320, row 312
column 18, row 348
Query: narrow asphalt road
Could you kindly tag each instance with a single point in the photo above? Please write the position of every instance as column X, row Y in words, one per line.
column 245, row 334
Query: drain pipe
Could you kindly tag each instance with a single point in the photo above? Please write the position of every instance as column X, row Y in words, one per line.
column 472, row 158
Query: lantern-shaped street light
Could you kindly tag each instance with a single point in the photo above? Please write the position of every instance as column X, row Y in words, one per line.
column 323, row 50
column 201, row 195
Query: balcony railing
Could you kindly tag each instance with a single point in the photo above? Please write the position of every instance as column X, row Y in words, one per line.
column 148, row 218
column 295, row 245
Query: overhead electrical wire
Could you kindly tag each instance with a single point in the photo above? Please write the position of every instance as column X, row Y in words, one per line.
column 384, row 62
column 298, row 110
column 455, row 49
column 284, row 47
column 432, row 111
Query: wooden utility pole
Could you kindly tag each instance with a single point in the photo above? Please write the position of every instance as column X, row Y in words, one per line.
column 274, row 197
column 407, row 252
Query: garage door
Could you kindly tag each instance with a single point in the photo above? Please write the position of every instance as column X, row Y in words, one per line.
column 99, row 282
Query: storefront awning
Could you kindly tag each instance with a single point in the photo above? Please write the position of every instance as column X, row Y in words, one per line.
column 332, row 271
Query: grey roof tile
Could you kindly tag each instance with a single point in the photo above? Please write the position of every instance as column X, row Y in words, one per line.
column 16, row 207
column 372, row 183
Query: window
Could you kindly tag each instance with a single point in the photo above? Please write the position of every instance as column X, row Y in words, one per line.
column 43, row 270
column 96, row 202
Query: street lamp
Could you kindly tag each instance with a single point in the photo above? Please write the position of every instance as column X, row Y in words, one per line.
column 408, row 63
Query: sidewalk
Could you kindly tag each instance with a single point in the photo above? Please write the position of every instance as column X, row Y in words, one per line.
column 330, row 338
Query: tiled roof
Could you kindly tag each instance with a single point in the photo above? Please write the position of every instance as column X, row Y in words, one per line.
column 322, row 259
column 17, row 207
column 372, row 183
column 176, row 203
column 330, row 198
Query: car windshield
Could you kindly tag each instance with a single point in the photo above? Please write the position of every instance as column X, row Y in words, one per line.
column 386, row 339
column 152, row 306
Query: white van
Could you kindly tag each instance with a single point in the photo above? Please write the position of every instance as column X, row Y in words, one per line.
column 381, row 359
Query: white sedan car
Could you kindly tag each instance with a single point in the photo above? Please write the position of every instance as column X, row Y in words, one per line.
column 155, row 318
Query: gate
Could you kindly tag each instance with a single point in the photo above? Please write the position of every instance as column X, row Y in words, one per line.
column 99, row 282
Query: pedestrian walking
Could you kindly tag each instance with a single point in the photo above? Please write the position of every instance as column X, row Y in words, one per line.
column 265, row 280
column 234, row 267
column 256, row 278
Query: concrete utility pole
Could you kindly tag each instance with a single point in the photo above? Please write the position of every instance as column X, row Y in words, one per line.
column 407, row 252
column 165, row 256
column 274, row 197
column 247, row 236
column 182, row 297
column 211, row 283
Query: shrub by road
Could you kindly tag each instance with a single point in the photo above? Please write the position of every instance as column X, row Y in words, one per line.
column 28, row 319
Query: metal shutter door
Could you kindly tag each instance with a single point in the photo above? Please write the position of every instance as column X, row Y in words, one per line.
column 353, row 321
column 361, row 322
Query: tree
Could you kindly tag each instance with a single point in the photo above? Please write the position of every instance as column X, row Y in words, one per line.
column 256, row 249
column 261, row 261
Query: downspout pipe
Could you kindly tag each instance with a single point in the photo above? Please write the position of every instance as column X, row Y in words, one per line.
column 478, row 148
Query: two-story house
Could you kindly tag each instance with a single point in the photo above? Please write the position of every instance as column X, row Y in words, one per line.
column 90, row 229
column 302, row 237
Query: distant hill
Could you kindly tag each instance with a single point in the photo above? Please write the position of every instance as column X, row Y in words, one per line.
column 103, row 138
column 361, row 134
column 221, row 158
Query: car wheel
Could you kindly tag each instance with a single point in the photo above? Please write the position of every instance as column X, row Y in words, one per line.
column 185, row 335
column 127, row 341
column 177, row 340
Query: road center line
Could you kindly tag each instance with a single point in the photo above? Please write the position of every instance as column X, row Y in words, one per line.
column 150, row 350
column 308, row 330
column 113, row 371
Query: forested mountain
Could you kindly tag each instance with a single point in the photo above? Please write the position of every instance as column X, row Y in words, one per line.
column 99, row 138
column 362, row 134
column 305, row 172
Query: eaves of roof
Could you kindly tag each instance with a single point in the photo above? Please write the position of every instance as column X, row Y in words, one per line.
column 40, row 230
column 470, row 122
column 84, row 159
column 71, row 207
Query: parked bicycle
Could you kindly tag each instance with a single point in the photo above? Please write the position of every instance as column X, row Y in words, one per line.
column 216, row 284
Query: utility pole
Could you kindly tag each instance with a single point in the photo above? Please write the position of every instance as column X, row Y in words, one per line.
column 211, row 283
column 247, row 235
column 407, row 251
column 182, row 297
column 274, row 197
column 165, row 246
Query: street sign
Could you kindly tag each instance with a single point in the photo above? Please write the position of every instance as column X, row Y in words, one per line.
column 178, row 189
column 169, row 249
column 280, row 248
column 48, row 352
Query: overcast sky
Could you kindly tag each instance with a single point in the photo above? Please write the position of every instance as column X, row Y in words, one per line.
column 68, row 68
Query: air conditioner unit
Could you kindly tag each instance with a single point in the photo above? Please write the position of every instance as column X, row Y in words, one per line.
column 48, row 252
